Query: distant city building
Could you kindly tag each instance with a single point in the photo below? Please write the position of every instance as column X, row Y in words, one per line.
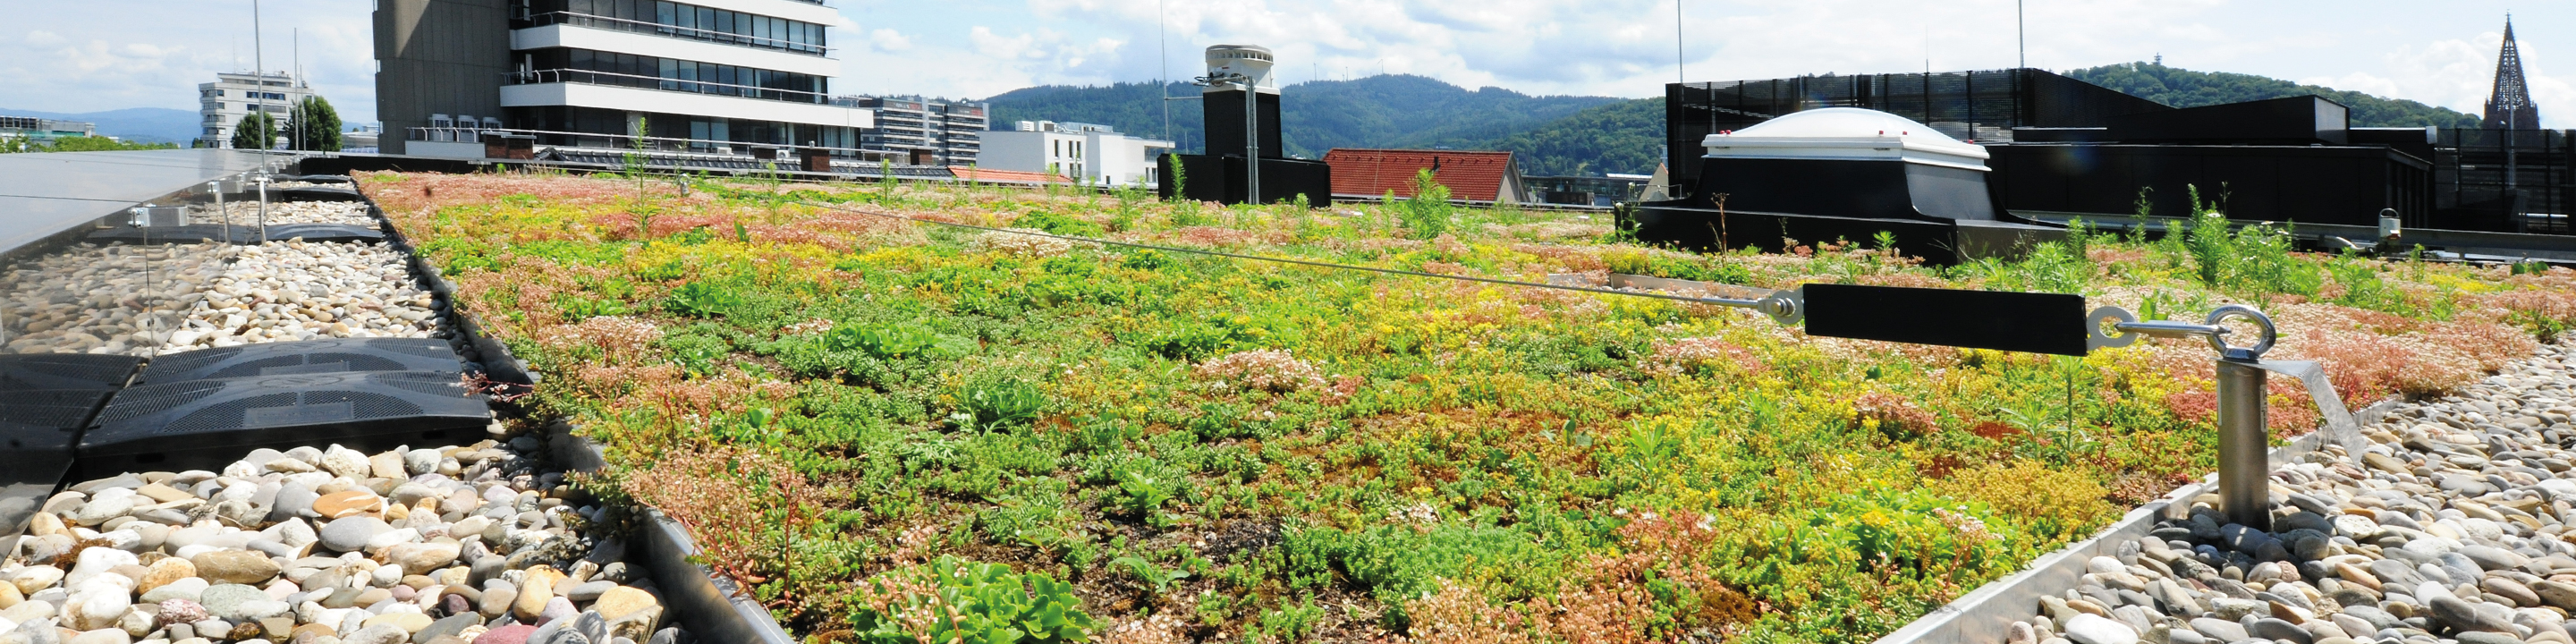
column 222, row 104
column 363, row 138
column 2510, row 106
column 43, row 130
column 1602, row 190
column 947, row 132
column 730, row 78
column 1471, row 176
column 1089, row 154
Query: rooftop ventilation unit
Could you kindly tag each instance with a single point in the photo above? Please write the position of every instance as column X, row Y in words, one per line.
column 350, row 355
column 25, row 371
column 203, row 424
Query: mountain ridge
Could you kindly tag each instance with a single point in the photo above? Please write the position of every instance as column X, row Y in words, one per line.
column 1579, row 135
column 140, row 124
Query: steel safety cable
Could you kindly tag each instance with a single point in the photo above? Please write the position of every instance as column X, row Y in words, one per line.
column 1285, row 260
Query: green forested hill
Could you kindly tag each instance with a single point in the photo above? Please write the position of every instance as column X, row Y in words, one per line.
column 1554, row 133
column 1626, row 136
column 2187, row 88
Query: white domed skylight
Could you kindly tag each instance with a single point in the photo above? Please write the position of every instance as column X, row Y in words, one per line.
column 1846, row 133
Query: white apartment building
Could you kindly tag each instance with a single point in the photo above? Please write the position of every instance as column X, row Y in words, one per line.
column 704, row 76
column 222, row 104
column 1089, row 154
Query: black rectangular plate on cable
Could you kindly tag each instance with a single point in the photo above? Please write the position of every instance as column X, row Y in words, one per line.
column 2050, row 323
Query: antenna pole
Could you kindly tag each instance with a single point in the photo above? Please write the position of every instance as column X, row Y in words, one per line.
column 2021, row 34
column 1681, row 62
column 1163, row 84
column 1251, row 141
column 259, row 77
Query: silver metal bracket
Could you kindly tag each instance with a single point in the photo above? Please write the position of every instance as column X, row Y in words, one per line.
column 1787, row 307
column 2113, row 327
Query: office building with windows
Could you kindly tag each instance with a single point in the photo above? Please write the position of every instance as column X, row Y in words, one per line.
column 1093, row 155
column 42, row 130
column 723, row 77
column 927, row 131
column 222, row 104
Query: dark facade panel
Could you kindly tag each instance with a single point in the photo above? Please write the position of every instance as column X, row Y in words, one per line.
column 1221, row 178
column 2346, row 185
column 2296, row 120
column 1224, row 122
column 438, row 57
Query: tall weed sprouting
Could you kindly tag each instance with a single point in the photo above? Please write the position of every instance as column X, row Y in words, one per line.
column 2205, row 239
column 2053, row 267
column 1426, row 213
column 2264, row 263
column 2256, row 259
column 1127, row 196
column 2140, row 209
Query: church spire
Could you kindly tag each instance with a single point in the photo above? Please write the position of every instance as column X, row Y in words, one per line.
column 2510, row 107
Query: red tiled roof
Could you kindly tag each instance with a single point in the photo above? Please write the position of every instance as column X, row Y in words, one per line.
column 1474, row 176
column 989, row 174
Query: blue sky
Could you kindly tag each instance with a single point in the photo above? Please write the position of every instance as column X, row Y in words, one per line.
column 109, row 54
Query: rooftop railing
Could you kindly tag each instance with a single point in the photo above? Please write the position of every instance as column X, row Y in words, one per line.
column 594, row 141
column 589, row 77
column 691, row 33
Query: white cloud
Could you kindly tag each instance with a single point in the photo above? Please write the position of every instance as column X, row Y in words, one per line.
column 889, row 40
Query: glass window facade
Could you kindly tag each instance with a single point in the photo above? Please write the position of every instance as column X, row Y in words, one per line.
column 652, row 72
column 681, row 21
column 595, row 127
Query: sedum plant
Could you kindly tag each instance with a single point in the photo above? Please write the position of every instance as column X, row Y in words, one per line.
column 967, row 602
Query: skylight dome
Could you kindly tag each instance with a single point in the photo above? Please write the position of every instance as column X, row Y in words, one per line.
column 1847, row 133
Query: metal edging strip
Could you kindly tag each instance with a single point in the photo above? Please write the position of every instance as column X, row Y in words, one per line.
column 1984, row 613
column 715, row 610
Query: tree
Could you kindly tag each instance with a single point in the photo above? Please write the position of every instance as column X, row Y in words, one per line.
column 102, row 144
column 256, row 131
column 76, row 144
column 314, row 126
column 2180, row 87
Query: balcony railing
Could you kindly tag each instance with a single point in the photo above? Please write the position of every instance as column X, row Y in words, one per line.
column 612, row 142
column 646, row 27
column 584, row 76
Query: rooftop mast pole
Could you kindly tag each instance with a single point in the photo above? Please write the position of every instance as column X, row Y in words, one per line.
column 1163, row 83
column 1681, row 62
column 259, row 77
